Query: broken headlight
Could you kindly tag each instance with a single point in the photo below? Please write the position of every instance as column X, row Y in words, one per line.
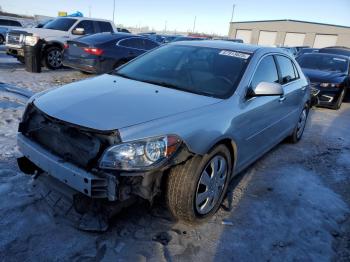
column 140, row 154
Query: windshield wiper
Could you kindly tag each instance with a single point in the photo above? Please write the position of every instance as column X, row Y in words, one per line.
column 122, row 75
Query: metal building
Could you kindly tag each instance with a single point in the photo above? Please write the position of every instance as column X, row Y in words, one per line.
column 290, row 33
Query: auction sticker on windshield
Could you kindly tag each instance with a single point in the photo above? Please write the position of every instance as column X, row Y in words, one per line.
column 234, row 54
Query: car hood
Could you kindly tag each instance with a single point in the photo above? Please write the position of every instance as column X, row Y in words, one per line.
column 110, row 102
column 318, row 76
column 42, row 32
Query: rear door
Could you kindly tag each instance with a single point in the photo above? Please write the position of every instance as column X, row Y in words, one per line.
column 294, row 91
column 103, row 27
column 259, row 128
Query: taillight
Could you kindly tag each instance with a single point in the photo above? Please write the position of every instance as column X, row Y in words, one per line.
column 93, row 51
column 65, row 46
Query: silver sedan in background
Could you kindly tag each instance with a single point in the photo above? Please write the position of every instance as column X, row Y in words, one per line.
column 182, row 119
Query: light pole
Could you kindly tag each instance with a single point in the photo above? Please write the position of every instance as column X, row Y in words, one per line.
column 233, row 11
column 113, row 9
column 194, row 23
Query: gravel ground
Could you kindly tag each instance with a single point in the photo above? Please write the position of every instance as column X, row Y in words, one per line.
column 291, row 205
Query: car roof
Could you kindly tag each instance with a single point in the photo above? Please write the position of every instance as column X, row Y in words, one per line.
column 85, row 18
column 228, row 45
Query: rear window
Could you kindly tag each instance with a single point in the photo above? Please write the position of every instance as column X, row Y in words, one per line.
column 324, row 62
column 61, row 24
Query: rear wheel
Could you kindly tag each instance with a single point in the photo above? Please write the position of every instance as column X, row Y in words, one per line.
column 340, row 100
column 53, row 57
column 300, row 127
column 196, row 188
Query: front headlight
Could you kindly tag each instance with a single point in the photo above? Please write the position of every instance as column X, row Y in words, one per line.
column 330, row 85
column 31, row 40
column 140, row 154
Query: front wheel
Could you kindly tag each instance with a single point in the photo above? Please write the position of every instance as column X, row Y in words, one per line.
column 340, row 100
column 300, row 127
column 196, row 188
column 53, row 58
column 2, row 40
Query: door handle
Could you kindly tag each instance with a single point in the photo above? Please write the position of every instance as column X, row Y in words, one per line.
column 282, row 98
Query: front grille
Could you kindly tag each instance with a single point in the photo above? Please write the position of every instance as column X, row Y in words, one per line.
column 15, row 38
column 69, row 142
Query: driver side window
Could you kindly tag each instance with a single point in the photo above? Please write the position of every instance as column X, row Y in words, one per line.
column 265, row 72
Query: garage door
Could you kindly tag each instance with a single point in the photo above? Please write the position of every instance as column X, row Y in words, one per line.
column 267, row 38
column 325, row 41
column 294, row 39
column 245, row 35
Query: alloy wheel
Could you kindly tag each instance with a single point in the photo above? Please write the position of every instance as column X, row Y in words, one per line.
column 54, row 58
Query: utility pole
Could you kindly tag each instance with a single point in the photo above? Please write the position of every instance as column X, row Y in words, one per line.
column 113, row 9
column 194, row 23
column 165, row 26
column 90, row 11
column 233, row 11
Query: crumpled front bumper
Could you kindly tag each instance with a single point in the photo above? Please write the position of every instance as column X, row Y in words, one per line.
column 77, row 178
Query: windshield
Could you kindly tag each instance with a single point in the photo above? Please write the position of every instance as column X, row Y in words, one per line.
column 201, row 70
column 324, row 62
column 62, row 24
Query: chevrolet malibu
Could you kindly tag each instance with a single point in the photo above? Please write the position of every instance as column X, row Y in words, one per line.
column 182, row 119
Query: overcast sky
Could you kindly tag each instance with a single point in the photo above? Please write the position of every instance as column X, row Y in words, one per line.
column 213, row 16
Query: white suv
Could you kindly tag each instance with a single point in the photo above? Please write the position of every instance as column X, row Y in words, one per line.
column 54, row 35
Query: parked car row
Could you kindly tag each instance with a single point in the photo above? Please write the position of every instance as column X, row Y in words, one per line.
column 53, row 35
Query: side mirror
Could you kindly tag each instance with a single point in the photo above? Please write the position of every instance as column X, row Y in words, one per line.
column 78, row 31
column 267, row 89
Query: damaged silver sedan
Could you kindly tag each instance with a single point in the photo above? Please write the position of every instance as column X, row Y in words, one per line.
column 182, row 119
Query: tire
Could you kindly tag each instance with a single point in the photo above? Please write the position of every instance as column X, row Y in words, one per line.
column 185, row 186
column 2, row 40
column 300, row 126
column 53, row 58
column 340, row 100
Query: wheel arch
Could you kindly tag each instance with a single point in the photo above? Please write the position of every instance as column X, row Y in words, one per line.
column 231, row 145
column 52, row 44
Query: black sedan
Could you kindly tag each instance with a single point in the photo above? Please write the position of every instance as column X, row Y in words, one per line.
column 329, row 77
column 101, row 53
